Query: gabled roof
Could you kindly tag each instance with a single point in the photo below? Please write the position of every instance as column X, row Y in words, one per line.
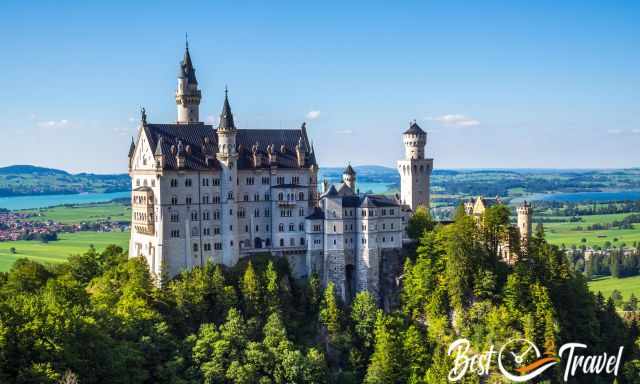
column 203, row 142
column 331, row 192
column 316, row 214
column 382, row 201
column 345, row 190
column 414, row 129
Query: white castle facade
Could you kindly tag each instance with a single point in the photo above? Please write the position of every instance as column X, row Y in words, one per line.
column 202, row 193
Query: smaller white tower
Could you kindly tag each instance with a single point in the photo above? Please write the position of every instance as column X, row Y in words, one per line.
column 525, row 216
column 228, row 156
column 415, row 170
column 349, row 177
column 188, row 95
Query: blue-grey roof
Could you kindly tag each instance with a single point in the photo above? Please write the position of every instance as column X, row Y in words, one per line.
column 226, row 117
column 414, row 129
column 186, row 70
column 316, row 214
column 203, row 142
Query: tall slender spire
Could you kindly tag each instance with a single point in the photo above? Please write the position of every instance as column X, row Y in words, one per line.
column 226, row 117
column 186, row 65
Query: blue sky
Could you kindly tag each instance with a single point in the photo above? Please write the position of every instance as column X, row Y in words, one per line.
column 496, row 84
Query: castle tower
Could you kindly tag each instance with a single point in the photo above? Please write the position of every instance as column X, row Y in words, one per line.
column 349, row 177
column 188, row 95
column 525, row 216
column 228, row 156
column 415, row 170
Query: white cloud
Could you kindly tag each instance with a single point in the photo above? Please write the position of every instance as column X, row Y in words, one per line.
column 345, row 132
column 132, row 119
column 53, row 123
column 635, row 130
column 122, row 131
column 211, row 119
column 614, row 131
column 457, row 120
column 312, row 115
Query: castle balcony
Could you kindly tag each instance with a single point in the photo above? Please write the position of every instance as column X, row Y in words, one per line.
column 142, row 213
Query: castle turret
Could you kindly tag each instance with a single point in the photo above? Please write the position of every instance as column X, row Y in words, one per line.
column 349, row 177
column 187, row 95
column 228, row 156
column 415, row 170
column 525, row 216
column 226, row 132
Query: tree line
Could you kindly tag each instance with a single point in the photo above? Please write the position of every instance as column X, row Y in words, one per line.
column 100, row 318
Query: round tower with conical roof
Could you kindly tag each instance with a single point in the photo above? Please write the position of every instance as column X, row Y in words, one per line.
column 228, row 157
column 187, row 95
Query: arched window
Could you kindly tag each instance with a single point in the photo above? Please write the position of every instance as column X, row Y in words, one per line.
column 282, row 242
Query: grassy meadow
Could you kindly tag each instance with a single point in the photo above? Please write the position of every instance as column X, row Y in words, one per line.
column 58, row 251
column 606, row 285
column 75, row 214
column 566, row 233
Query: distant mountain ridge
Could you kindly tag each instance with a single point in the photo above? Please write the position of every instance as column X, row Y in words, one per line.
column 31, row 169
column 24, row 180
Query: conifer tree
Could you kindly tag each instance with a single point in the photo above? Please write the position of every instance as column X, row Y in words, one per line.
column 386, row 364
column 251, row 291
column 272, row 294
column 330, row 313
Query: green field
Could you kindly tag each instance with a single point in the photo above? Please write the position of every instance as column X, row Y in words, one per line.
column 75, row 214
column 566, row 233
column 607, row 284
column 58, row 251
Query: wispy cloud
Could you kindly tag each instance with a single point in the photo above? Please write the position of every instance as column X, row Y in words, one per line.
column 312, row 115
column 618, row 132
column 53, row 123
column 456, row 120
column 122, row 131
column 345, row 132
column 211, row 119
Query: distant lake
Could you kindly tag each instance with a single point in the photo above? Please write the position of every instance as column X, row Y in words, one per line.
column 578, row 197
column 363, row 187
column 41, row 201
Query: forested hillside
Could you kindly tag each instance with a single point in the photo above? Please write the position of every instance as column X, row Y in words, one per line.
column 19, row 180
column 100, row 319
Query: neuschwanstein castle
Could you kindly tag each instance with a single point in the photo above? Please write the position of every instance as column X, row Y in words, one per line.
column 220, row 193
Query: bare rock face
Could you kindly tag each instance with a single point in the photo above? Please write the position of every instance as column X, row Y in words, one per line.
column 391, row 267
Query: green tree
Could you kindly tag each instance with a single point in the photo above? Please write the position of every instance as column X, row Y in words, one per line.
column 251, row 291
column 386, row 364
column 330, row 312
column 419, row 222
column 27, row 276
column 272, row 293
